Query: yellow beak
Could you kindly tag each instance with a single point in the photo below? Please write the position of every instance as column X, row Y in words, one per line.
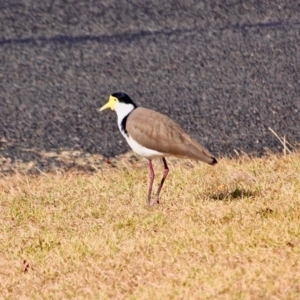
column 110, row 104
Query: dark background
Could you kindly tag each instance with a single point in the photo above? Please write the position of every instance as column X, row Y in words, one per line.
column 224, row 70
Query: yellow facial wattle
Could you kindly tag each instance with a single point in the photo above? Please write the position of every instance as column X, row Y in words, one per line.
column 110, row 104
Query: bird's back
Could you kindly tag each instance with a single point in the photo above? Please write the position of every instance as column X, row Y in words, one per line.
column 158, row 132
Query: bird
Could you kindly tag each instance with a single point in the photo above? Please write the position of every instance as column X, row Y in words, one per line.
column 154, row 135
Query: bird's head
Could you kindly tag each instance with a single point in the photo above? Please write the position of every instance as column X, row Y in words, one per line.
column 119, row 101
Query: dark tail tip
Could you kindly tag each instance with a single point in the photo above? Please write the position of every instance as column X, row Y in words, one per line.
column 214, row 161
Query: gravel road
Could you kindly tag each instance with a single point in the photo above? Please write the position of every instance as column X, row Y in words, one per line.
column 224, row 70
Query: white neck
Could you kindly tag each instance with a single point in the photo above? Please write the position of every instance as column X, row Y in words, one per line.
column 122, row 110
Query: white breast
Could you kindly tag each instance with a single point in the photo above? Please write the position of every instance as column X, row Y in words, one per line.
column 141, row 150
column 122, row 111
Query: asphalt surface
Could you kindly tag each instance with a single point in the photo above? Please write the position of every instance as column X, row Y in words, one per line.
column 224, row 70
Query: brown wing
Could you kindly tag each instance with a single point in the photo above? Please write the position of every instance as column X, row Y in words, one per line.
column 158, row 132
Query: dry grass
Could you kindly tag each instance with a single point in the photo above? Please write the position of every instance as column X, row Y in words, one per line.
column 226, row 232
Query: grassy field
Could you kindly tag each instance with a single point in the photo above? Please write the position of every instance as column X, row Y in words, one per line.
column 226, row 232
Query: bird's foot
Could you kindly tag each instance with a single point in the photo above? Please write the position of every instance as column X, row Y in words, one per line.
column 155, row 201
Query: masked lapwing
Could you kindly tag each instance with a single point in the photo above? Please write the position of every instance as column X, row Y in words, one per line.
column 154, row 135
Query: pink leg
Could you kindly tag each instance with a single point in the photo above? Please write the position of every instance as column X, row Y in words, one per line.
column 151, row 175
column 166, row 171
